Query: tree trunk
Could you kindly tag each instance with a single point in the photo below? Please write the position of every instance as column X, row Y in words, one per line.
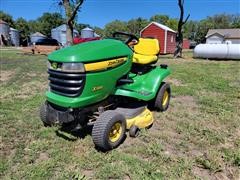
column 69, row 34
column 70, row 13
column 179, row 38
column 69, row 31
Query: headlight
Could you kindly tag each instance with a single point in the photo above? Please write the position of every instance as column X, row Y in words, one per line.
column 73, row 67
column 67, row 67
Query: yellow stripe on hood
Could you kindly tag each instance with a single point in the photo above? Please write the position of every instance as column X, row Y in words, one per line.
column 98, row 66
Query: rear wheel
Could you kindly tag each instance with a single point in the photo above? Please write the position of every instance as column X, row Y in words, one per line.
column 109, row 130
column 163, row 97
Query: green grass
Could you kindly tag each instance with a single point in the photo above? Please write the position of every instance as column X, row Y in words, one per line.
column 198, row 137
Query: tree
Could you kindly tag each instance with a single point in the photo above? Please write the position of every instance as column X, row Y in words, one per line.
column 202, row 29
column 220, row 21
column 162, row 19
column 99, row 31
column 81, row 26
column 34, row 26
column 134, row 26
column 235, row 21
column 71, row 9
column 22, row 25
column 113, row 26
column 190, row 29
column 7, row 18
column 172, row 23
column 49, row 21
column 181, row 22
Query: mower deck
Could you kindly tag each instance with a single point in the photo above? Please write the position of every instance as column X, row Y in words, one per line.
column 136, row 115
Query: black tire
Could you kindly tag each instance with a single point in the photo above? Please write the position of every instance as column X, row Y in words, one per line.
column 103, row 127
column 43, row 115
column 134, row 131
column 158, row 104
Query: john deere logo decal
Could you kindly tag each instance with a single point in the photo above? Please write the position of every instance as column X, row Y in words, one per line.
column 54, row 65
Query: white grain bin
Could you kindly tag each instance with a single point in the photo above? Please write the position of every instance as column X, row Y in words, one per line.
column 87, row 33
column 14, row 35
column 4, row 33
column 217, row 51
column 36, row 36
column 59, row 33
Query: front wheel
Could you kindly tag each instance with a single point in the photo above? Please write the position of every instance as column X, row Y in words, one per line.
column 109, row 130
column 43, row 115
column 163, row 97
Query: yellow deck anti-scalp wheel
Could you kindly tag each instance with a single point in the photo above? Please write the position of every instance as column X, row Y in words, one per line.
column 109, row 130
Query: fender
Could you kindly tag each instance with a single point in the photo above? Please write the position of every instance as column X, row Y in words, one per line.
column 146, row 86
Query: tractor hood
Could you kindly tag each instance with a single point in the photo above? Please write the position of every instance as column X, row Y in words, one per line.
column 91, row 51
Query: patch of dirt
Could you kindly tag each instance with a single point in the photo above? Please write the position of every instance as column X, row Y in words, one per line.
column 186, row 103
column 209, row 93
column 129, row 142
column 225, row 174
column 32, row 74
column 81, row 147
column 31, row 88
column 201, row 173
column 127, row 177
column 186, row 100
column 43, row 156
column 89, row 173
column 175, row 82
column 165, row 127
column 235, row 84
column 230, row 173
column 6, row 75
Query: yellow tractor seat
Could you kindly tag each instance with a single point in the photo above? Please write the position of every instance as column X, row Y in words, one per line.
column 145, row 52
column 142, row 59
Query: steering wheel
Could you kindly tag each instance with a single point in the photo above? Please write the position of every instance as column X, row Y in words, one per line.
column 131, row 37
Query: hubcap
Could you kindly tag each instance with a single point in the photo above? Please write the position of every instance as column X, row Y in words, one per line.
column 165, row 98
column 115, row 132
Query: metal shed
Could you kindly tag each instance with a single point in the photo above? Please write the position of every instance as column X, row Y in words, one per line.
column 14, row 34
column 87, row 33
column 59, row 33
column 36, row 36
column 4, row 33
column 165, row 35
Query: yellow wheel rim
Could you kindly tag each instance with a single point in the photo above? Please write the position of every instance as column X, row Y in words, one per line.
column 165, row 98
column 115, row 132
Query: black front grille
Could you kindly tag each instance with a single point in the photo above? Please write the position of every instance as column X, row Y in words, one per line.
column 65, row 83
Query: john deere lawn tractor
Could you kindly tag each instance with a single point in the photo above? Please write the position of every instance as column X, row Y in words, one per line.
column 108, row 84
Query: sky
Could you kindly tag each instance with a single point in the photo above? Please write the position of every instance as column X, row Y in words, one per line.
column 100, row 12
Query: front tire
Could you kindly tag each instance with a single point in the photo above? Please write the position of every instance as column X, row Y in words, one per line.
column 43, row 115
column 109, row 130
column 163, row 97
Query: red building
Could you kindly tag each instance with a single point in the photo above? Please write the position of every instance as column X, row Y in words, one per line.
column 186, row 44
column 165, row 36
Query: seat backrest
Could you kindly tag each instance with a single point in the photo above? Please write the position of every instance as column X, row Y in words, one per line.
column 147, row 46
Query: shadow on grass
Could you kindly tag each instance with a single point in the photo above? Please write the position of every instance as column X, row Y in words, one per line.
column 81, row 133
column 69, row 134
column 214, row 59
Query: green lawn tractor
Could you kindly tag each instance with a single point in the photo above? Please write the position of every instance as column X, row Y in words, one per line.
column 108, row 85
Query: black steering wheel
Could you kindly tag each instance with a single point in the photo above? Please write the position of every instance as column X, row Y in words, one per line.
column 130, row 38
